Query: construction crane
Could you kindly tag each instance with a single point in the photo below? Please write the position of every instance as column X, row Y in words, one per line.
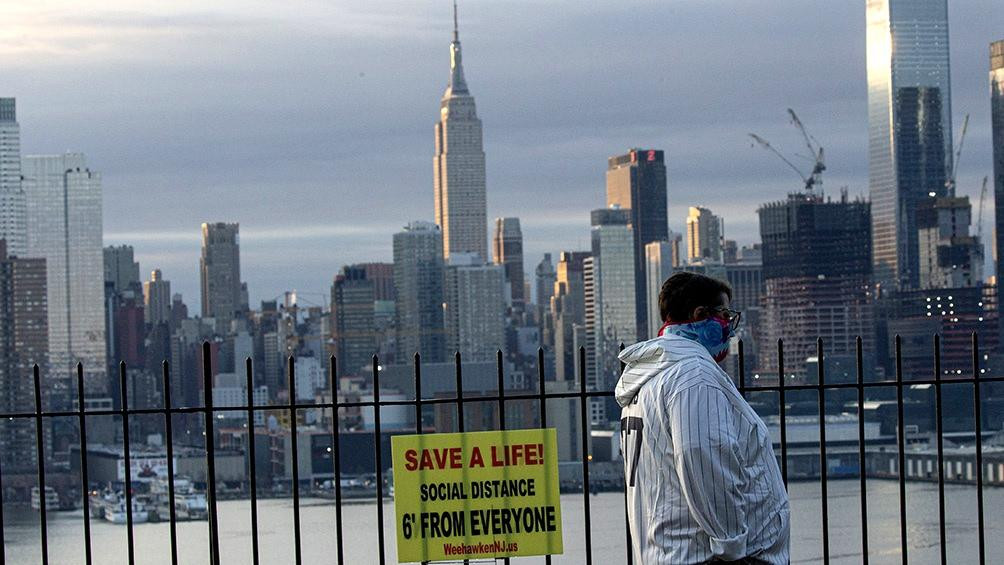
column 815, row 177
column 979, row 220
column 815, row 151
column 950, row 180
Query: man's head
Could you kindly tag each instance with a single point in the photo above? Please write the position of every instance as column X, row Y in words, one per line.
column 688, row 297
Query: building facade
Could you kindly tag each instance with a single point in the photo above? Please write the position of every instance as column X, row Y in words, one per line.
column 353, row 329
column 382, row 277
column 459, row 166
column 997, row 118
column 474, row 312
column 909, row 127
column 658, row 267
column 418, row 282
column 610, row 315
column 507, row 250
column 568, row 310
column 220, row 274
column 544, row 278
column 636, row 181
column 64, row 227
column 13, row 205
column 24, row 341
column 954, row 314
column 157, row 299
column 948, row 256
column 121, row 268
column 817, row 270
column 705, row 233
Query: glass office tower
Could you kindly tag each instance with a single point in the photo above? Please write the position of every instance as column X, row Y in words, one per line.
column 997, row 118
column 909, row 127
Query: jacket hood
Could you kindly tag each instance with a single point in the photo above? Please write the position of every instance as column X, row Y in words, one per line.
column 648, row 359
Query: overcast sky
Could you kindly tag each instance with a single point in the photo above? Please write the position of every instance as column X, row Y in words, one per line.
column 311, row 122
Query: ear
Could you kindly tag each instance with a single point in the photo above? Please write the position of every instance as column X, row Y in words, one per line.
column 699, row 313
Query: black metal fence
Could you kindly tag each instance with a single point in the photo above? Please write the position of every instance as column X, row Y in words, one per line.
column 168, row 410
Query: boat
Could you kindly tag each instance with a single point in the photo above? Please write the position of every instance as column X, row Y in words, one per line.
column 111, row 505
column 116, row 513
column 189, row 502
column 51, row 499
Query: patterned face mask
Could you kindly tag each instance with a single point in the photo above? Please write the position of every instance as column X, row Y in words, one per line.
column 713, row 333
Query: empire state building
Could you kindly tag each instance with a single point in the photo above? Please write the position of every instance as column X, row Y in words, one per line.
column 459, row 165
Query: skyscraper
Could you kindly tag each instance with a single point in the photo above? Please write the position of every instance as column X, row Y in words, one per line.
column 609, row 276
column 568, row 309
column 817, row 269
column 13, row 211
column 121, row 269
column 418, row 282
column 909, row 127
column 948, row 256
column 24, row 341
column 63, row 200
column 636, row 181
column 352, row 325
column 157, row 299
column 997, row 117
column 507, row 250
column 705, row 233
column 475, row 308
column 459, row 165
column 220, row 273
column 658, row 267
column 544, row 277
column 382, row 277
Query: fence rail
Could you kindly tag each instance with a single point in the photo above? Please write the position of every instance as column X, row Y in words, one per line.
column 541, row 396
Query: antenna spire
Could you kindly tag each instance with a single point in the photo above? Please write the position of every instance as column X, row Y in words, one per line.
column 456, row 32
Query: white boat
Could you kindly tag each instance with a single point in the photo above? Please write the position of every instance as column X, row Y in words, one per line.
column 51, row 499
column 191, row 506
column 111, row 506
column 116, row 513
column 189, row 503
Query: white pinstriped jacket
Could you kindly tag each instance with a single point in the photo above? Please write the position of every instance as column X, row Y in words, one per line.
column 702, row 480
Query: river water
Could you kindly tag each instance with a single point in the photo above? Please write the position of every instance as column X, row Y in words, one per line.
column 21, row 534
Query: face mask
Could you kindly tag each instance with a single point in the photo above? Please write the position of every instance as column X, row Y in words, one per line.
column 713, row 333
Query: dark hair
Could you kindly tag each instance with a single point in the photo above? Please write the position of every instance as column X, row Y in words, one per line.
column 684, row 292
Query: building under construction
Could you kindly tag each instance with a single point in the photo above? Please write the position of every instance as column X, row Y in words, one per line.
column 817, row 265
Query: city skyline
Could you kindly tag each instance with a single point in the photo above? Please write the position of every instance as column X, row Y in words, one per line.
column 707, row 154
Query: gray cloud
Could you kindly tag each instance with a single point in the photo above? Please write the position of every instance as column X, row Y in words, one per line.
column 311, row 122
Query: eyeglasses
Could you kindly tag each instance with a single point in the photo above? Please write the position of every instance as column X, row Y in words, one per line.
column 732, row 316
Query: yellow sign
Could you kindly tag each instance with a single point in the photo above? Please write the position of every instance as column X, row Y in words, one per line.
column 476, row 495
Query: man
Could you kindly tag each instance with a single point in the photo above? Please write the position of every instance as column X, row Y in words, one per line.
column 703, row 485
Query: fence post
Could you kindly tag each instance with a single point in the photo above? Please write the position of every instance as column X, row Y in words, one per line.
column 169, row 440
column 821, row 371
column 336, row 456
column 207, row 401
column 901, row 446
column 627, row 518
column 294, row 447
column 862, row 460
column 378, row 446
column 40, row 451
column 784, row 412
column 123, row 388
column 252, row 458
column 84, row 480
column 542, row 407
column 585, row 427
column 978, row 420
column 941, row 448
